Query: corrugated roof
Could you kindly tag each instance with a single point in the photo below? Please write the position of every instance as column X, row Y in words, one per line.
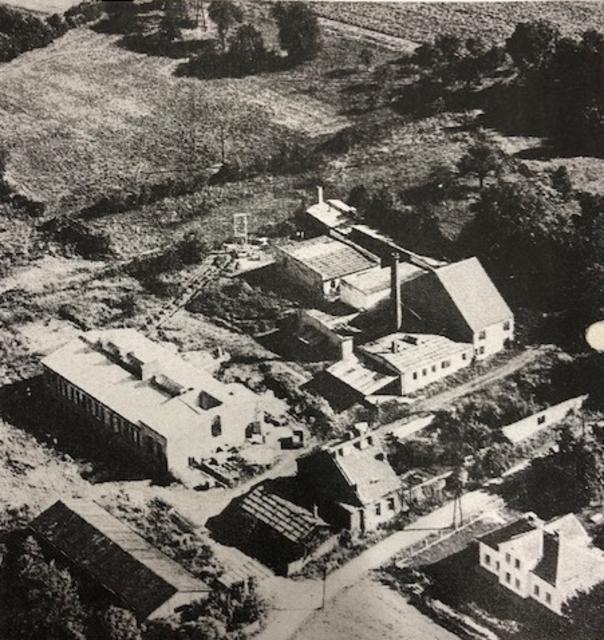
column 331, row 258
column 473, row 293
column 370, row 476
column 359, row 376
column 288, row 519
column 114, row 555
column 414, row 350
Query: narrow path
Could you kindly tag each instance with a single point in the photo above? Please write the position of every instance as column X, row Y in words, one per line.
column 371, row 36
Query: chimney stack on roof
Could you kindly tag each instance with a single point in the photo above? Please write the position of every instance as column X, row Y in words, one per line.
column 395, row 293
column 320, row 194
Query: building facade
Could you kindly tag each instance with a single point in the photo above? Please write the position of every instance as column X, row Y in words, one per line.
column 141, row 396
column 548, row 562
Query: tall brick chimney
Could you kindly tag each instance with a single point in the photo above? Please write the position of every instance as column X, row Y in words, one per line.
column 395, row 294
column 320, row 195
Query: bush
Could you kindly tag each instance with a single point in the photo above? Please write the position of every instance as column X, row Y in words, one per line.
column 299, row 31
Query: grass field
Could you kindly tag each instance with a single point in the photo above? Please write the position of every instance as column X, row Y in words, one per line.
column 42, row 6
column 493, row 21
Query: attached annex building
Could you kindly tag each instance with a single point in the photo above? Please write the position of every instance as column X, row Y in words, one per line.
column 352, row 482
column 139, row 576
column 548, row 562
column 164, row 410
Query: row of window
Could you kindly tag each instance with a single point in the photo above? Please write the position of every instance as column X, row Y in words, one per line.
column 110, row 419
column 445, row 364
column 517, row 583
column 390, row 505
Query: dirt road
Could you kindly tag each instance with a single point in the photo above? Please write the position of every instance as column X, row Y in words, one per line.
column 370, row 36
column 295, row 605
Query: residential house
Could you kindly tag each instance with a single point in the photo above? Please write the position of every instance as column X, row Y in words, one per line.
column 352, row 482
column 146, row 398
column 459, row 301
column 548, row 562
column 104, row 550
column 318, row 265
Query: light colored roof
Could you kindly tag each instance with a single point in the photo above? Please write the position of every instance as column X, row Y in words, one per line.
column 288, row 519
column 473, row 293
column 87, row 364
column 415, row 350
column 371, row 477
column 332, row 213
column 358, row 376
column 329, row 257
column 378, row 280
column 114, row 555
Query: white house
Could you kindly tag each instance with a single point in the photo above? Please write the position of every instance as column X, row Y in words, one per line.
column 546, row 561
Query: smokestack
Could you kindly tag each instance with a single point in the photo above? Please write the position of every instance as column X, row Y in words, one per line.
column 395, row 293
column 320, row 194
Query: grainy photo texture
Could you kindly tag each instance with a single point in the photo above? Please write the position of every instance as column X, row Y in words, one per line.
column 301, row 320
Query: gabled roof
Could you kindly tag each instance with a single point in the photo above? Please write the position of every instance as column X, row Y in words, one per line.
column 332, row 213
column 473, row 293
column 330, row 257
column 368, row 473
column 288, row 519
column 114, row 555
column 371, row 282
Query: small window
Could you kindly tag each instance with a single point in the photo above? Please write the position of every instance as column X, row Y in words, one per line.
column 481, row 351
column 424, row 372
column 548, row 598
column 487, row 558
column 506, row 325
column 508, row 558
column 517, row 563
column 536, row 590
column 216, row 427
column 508, row 577
column 391, row 504
column 445, row 364
column 433, row 368
column 464, row 356
column 497, row 565
column 378, row 509
column 415, row 375
column 517, row 583
column 541, row 419
column 482, row 335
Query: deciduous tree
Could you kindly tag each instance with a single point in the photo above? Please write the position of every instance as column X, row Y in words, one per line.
column 299, row 31
column 224, row 14
column 481, row 160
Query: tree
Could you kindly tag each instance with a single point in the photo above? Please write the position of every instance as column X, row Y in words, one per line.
column 366, row 57
column 481, row 160
column 118, row 624
column 533, row 44
column 561, row 181
column 224, row 14
column 247, row 51
column 299, row 31
column 46, row 597
column 169, row 26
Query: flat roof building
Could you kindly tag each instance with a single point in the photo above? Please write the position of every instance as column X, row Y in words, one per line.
column 149, row 398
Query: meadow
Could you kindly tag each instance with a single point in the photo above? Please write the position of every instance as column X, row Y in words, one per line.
column 493, row 21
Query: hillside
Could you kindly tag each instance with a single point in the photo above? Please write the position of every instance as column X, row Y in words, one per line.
column 493, row 21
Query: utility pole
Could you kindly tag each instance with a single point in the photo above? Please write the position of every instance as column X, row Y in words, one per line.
column 324, row 593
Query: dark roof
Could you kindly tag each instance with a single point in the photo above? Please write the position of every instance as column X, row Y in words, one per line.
column 288, row 519
column 547, row 568
column 516, row 528
column 114, row 555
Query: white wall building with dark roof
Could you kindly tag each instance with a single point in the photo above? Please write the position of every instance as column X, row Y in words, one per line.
column 549, row 562
column 161, row 407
